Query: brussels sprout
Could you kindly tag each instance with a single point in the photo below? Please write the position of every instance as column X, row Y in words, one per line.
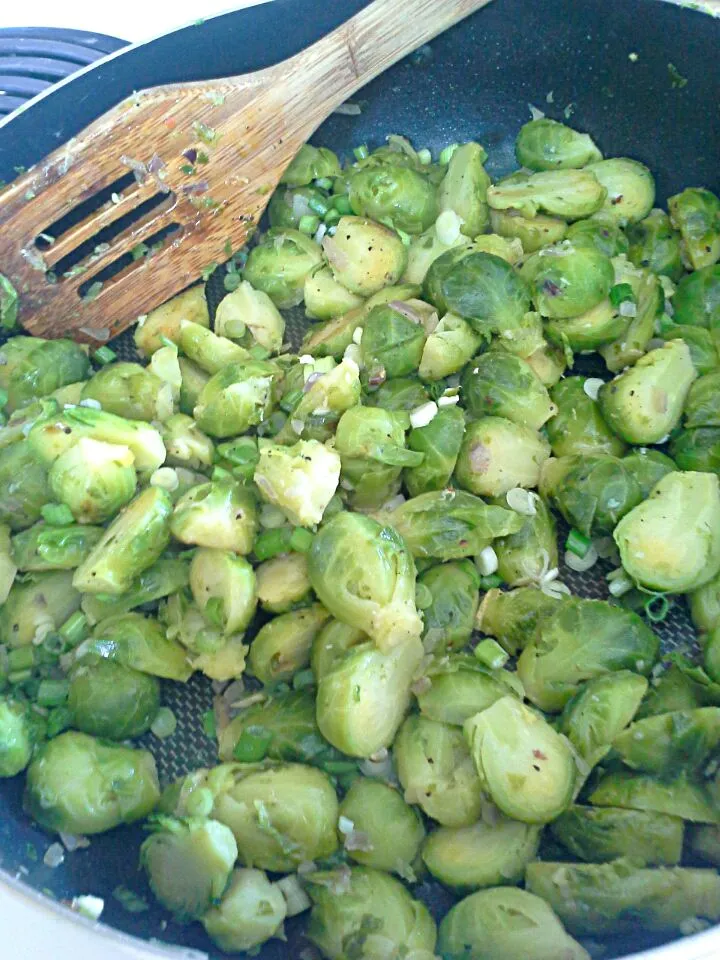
column 696, row 300
column 392, row 342
column 326, row 298
column 579, row 640
column 532, row 232
column 526, row 555
column 648, row 467
column 681, row 686
column 711, row 654
column 112, row 701
column 705, row 605
column 449, row 524
column 21, row 422
column 36, row 607
column 677, row 798
column 219, row 514
column 482, row 288
column 696, row 214
column 504, row 924
column 437, row 771
column 45, row 547
column 132, row 543
column 186, row 445
column 702, row 406
column 525, row 766
column 364, row 695
column 55, row 435
column 617, row 897
column 208, row 350
column 497, row 455
column 223, row 664
column 671, row 743
column 77, row 784
column 223, row 587
column 250, row 912
column 697, row 449
column 163, row 323
column 401, row 394
column 701, row 343
column 481, row 855
column 566, row 280
column 671, row 541
column 193, row 379
column 386, row 833
column 629, row 186
column 372, row 913
column 188, row 863
column 512, row 617
column 288, row 205
column 603, row 834
column 332, row 339
column 140, row 643
column 365, row 256
column 460, row 687
column 463, row 190
column 31, row 368
column 545, row 144
column 21, row 729
column 449, row 616
column 330, row 646
column 281, row 816
column 323, row 401
column 24, row 486
column 633, row 342
column 439, row 441
column 239, row 396
column 549, row 362
column 503, row 385
column 131, row 391
column 578, row 426
column 95, row 479
column 448, row 348
column 282, row 646
column 162, row 578
column 645, row 403
column 311, row 163
column 600, row 711
column 300, row 480
column 250, row 315
column 571, row 194
column 599, row 326
column 283, row 583
column 398, row 196
column 655, row 245
column 424, row 249
column 281, row 727
column 602, row 233
column 592, row 492
column 280, row 263
column 364, row 574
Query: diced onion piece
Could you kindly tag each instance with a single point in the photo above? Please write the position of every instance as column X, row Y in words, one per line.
column 345, row 825
column 592, row 386
column 164, row 724
column 166, row 478
column 619, row 582
column 447, row 227
column 91, row 403
column 421, row 416
column 89, row 906
column 354, row 354
column 535, row 113
column 305, row 358
column 73, row 842
column 271, row 517
column 522, row 501
column 54, row 855
column 357, row 335
column 487, row 562
column 581, row 564
column 554, row 588
column 627, row 309
column 448, row 401
column 296, row 900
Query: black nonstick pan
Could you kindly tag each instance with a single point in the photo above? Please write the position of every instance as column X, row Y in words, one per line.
column 642, row 76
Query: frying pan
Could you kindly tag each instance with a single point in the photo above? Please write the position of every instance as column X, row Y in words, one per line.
column 570, row 58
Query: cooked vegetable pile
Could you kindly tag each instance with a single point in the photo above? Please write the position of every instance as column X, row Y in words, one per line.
column 367, row 534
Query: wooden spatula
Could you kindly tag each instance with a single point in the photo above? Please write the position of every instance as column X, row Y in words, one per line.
column 192, row 164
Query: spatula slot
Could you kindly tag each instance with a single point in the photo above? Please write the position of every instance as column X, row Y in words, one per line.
column 83, row 210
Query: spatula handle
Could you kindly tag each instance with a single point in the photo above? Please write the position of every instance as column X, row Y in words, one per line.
column 342, row 62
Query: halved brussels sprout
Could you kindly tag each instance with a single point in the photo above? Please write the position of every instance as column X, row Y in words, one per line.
column 250, row 912
column 396, row 195
column 512, row 617
column 164, row 321
column 95, row 479
column 193, row 379
column 37, row 606
column 21, row 729
column 702, row 406
column 448, row 348
column 364, row 574
column 463, row 189
column 219, row 514
column 392, row 341
column 130, row 390
column 592, row 492
column 188, row 863
column 705, row 842
column 545, row 144
column 705, row 605
column 282, row 646
column 439, row 441
column 503, row 385
column 208, row 350
column 654, row 244
column 630, row 189
column 697, row 298
column 578, row 426
column 571, row 194
column 238, row 396
column 566, row 280
column 597, row 327
column 162, row 578
column 527, row 554
column 532, row 232
column 31, row 368
column 364, row 695
column 600, row 232
column 186, row 444
column 112, row 701
column 603, row 834
column 670, row 744
column 311, row 163
column 384, row 832
column 648, row 467
column 450, row 614
column 424, row 249
column 481, row 855
column 372, row 912
column 617, row 897
column 279, row 264
column 671, row 541
column 283, row 582
column 677, row 797
column 579, row 640
column 504, row 923
column 45, row 547
column 300, row 480
column 525, row 766
column 325, row 297
column 365, row 256
column 223, row 587
column 138, row 642
column 77, row 784
column 697, row 449
column 497, row 455
column 331, row 644
column 460, row 687
column 696, row 214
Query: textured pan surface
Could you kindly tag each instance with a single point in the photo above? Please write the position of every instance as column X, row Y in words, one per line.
column 476, row 84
